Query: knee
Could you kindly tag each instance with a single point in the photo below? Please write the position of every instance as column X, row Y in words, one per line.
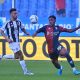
column 21, row 57
column 63, row 52
column 16, row 57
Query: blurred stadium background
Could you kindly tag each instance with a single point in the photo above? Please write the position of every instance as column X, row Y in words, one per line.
column 68, row 15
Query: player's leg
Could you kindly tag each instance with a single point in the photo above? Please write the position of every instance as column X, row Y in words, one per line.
column 8, row 56
column 16, row 55
column 19, row 55
column 64, row 52
column 54, row 59
column 58, row 66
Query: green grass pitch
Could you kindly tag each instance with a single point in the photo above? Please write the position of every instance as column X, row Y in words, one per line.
column 43, row 70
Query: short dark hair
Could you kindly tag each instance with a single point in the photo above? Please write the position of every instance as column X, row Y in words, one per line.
column 12, row 9
column 52, row 16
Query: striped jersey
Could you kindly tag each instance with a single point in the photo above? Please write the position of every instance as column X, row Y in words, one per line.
column 12, row 29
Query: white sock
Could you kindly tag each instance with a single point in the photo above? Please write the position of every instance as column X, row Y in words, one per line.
column 23, row 65
column 0, row 56
column 74, row 69
column 8, row 56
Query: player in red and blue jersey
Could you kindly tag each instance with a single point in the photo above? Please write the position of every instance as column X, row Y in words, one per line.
column 52, row 33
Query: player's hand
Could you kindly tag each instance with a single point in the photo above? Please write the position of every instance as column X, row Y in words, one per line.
column 28, row 34
column 9, row 40
column 34, row 35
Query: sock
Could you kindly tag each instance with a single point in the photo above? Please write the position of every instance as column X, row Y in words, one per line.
column 74, row 69
column 70, row 61
column 0, row 56
column 61, row 67
column 8, row 56
column 57, row 65
column 23, row 65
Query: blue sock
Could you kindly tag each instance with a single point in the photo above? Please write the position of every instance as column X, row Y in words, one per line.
column 69, row 59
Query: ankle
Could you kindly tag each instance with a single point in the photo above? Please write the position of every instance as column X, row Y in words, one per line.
column 73, row 68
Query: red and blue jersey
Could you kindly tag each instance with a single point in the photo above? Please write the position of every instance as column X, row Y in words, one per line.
column 52, row 36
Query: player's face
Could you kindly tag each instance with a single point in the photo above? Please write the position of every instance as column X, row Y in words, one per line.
column 52, row 21
column 14, row 15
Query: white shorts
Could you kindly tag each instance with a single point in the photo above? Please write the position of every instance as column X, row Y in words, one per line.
column 15, row 46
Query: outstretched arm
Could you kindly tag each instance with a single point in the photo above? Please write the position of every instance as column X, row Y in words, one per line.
column 69, row 30
column 34, row 35
column 73, row 30
column 24, row 30
column 22, row 27
column 38, row 31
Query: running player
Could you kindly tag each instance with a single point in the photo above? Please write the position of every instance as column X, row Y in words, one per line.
column 12, row 30
column 55, row 49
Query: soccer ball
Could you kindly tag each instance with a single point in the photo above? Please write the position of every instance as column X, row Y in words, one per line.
column 33, row 19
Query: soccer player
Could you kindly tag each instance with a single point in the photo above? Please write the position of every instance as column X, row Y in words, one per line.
column 55, row 49
column 12, row 29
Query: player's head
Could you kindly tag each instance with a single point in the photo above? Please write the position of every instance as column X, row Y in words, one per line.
column 13, row 13
column 52, row 20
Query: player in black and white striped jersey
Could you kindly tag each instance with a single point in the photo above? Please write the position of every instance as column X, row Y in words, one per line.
column 12, row 29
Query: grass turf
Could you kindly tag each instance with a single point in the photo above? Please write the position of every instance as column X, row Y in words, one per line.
column 44, row 70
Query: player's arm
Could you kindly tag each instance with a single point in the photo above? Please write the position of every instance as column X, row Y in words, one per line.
column 2, row 29
column 35, row 34
column 23, row 29
column 38, row 31
column 4, row 35
column 69, row 30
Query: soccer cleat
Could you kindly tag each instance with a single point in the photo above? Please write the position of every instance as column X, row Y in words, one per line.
column 28, row 73
column 76, row 72
column 60, row 71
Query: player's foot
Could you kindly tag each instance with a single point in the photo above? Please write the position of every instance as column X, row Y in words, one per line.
column 76, row 72
column 28, row 73
column 60, row 71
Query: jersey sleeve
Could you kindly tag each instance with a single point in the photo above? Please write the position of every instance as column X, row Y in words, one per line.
column 41, row 30
column 62, row 29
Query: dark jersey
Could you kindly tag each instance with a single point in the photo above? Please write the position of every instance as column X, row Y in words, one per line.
column 52, row 36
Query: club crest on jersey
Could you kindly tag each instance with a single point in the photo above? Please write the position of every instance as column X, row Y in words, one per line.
column 49, row 28
column 49, row 33
column 12, row 25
